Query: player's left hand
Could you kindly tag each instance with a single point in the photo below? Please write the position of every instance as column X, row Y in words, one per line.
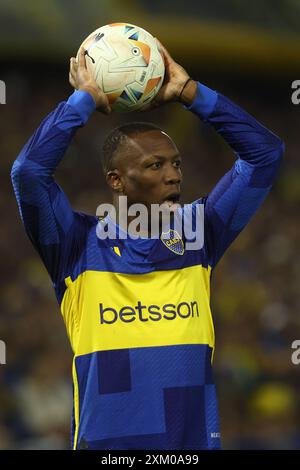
column 175, row 79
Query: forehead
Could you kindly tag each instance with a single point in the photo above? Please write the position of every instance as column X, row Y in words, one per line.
column 152, row 142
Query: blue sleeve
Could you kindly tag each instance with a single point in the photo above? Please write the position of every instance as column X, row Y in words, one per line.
column 239, row 193
column 51, row 224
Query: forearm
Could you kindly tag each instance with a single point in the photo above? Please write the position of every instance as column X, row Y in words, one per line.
column 47, row 146
column 251, row 141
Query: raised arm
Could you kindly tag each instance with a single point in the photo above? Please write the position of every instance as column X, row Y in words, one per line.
column 237, row 196
column 51, row 224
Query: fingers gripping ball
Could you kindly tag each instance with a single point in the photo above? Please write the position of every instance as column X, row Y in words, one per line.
column 126, row 64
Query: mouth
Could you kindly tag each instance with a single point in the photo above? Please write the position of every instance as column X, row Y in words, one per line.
column 172, row 201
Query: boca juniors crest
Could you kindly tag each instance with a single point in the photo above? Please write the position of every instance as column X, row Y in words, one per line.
column 172, row 241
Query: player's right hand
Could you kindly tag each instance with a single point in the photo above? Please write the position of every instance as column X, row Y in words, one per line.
column 80, row 78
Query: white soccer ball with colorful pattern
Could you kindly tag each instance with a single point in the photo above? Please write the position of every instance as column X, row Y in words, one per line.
column 126, row 64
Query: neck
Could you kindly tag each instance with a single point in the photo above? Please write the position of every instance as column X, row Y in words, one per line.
column 125, row 220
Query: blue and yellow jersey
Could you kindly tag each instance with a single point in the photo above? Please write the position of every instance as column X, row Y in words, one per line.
column 137, row 312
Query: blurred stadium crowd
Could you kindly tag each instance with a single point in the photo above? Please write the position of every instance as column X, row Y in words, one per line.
column 255, row 288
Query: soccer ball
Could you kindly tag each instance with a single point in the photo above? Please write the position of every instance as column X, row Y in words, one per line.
column 126, row 64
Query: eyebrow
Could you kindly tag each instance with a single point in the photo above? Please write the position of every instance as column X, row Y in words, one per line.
column 164, row 156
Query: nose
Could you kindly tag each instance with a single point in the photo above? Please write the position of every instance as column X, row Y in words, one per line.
column 173, row 175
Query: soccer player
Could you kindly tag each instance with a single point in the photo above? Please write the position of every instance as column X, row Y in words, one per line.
column 136, row 311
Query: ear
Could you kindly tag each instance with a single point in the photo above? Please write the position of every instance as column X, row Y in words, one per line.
column 113, row 179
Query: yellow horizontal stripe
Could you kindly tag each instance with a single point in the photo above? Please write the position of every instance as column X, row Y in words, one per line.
column 186, row 289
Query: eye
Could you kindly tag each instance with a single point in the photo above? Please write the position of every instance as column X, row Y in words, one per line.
column 177, row 163
column 155, row 165
column 136, row 51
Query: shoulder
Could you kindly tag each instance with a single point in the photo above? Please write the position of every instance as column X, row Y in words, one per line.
column 85, row 221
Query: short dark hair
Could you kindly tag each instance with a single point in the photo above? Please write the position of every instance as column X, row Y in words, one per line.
column 119, row 137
